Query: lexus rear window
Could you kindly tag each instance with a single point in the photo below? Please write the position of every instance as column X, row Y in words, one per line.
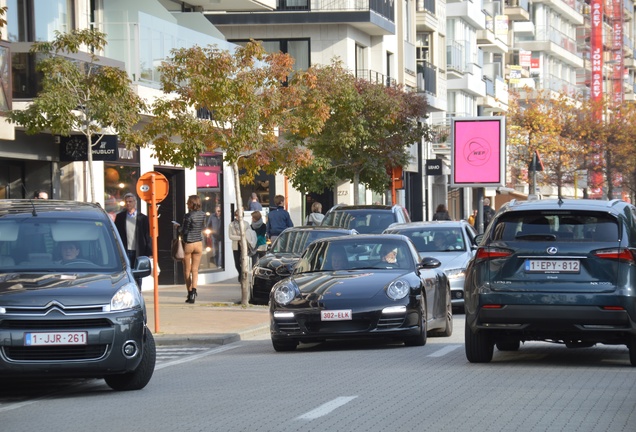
column 558, row 225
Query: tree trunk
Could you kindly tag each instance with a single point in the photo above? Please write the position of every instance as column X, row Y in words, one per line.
column 89, row 143
column 356, row 188
column 244, row 257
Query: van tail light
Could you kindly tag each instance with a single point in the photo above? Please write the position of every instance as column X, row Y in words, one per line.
column 488, row 253
column 621, row 254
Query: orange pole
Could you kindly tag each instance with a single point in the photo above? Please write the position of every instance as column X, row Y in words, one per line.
column 154, row 233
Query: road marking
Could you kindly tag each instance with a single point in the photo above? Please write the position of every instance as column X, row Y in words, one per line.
column 446, row 350
column 197, row 356
column 326, row 408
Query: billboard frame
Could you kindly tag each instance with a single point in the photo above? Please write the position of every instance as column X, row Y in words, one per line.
column 478, row 151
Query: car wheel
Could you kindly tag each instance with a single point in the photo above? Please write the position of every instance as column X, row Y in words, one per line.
column 137, row 379
column 632, row 350
column 448, row 327
column 420, row 339
column 282, row 346
column 479, row 346
column 508, row 345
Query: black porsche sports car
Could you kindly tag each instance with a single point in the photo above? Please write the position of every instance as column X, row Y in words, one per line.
column 361, row 286
column 283, row 254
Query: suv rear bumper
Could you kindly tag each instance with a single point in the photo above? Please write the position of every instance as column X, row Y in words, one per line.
column 557, row 322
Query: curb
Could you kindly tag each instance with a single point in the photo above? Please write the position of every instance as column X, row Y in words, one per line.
column 210, row 339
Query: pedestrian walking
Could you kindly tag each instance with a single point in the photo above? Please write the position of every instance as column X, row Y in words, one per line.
column 488, row 212
column 191, row 231
column 316, row 216
column 40, row 194
column 261, row 234
column 441, row 213
column 278, row 218
column 255, row 204
column 234, row 232
column 215, row 225
column 134, row 230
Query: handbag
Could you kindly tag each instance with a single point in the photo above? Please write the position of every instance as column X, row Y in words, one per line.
column 177, row 249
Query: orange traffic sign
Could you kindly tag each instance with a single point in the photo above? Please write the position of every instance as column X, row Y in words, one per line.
column 151, row 183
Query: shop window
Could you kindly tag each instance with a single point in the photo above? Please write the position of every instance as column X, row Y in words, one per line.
column 118, row 181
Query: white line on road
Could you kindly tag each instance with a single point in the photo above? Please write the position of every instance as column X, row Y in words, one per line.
column 446, row 350
column 197, row 356
column 326, row 408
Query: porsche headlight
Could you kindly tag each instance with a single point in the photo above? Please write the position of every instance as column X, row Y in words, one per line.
column 398, row 289
column 263, row 272
column 285, row 292
column 455, row 273
column 126, row 298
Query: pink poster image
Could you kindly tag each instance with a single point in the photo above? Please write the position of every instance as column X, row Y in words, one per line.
column 478, row 152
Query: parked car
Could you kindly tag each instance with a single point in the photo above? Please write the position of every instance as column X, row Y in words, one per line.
column 366, row 219
column 560, row 271
column 451, row 242
column 364, row 286
column 283, row 254
column 69, row 304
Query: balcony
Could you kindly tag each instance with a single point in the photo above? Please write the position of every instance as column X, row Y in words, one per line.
column 468, row 11
column 374, row 17
column 570, row 10
column 493, row 37
column 550, row 40
column 426, row 19
column 224, row 5
column 517, row 10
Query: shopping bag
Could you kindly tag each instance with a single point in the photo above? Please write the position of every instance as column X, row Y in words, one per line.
column 177, row 249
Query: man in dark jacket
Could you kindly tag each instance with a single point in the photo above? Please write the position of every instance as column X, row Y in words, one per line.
column 278, row 219
column 134, row 230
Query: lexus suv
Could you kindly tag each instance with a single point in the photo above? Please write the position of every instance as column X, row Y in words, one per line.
column 69, row 304
column 561, row 271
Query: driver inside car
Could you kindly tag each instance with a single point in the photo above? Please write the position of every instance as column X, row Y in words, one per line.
column 69, row 251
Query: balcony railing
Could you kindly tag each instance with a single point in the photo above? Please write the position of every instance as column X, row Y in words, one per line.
column 381, row 7
column 375, row 77
column 426, row 78
column 426, row 6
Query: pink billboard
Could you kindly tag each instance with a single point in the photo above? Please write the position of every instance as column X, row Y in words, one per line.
column 478, row 152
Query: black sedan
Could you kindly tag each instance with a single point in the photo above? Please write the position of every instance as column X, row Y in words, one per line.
column 69, row 304
column 364, row 286
column 283, row 254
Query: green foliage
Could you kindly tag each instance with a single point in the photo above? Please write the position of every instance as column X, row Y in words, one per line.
column 79, row 95
column 369, row 130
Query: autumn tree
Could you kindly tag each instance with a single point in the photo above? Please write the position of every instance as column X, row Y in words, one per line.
column 250, row 100
column 80, row 95
column 369, row 130
column 552, row 127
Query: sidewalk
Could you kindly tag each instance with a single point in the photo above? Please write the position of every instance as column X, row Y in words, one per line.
column 215, row 318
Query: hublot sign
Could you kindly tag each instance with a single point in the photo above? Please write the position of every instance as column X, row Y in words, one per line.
column 73, row 148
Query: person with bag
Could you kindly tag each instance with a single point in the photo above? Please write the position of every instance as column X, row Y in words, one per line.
column 191, row 232
column 316, row 216
column 234, row 232
column 261, row 235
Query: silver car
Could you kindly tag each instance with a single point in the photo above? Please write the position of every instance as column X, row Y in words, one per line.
column 451, row 242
